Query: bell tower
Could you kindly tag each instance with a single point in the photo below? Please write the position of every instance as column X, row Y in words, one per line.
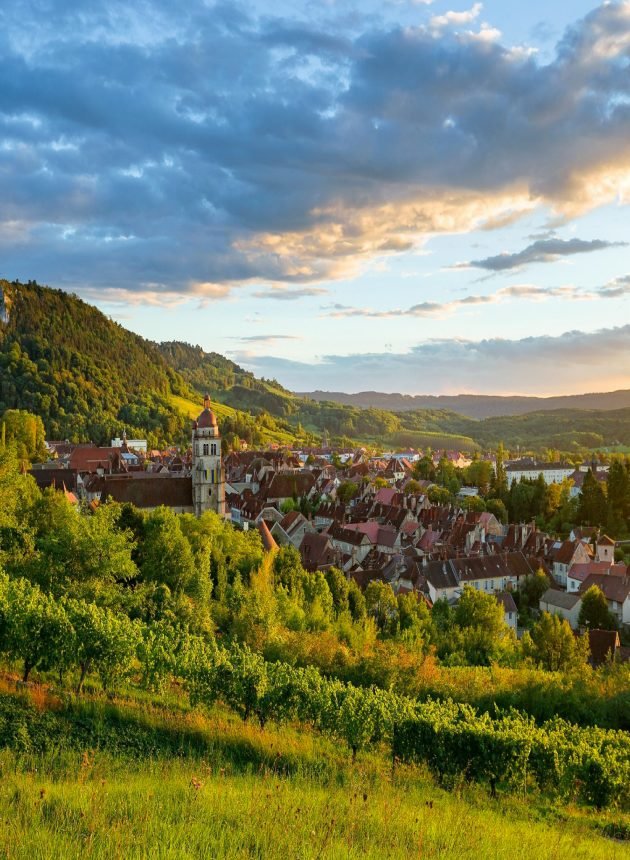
column 208, row 479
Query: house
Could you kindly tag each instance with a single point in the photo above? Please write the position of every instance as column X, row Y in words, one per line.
column 441, row 581
column 496, row 573
column 604, row 645
column 606, row 549
column 291, row 529
column 616, row 590
column 510, row 612
column 285, row 486
column 317, row 552
column 565, row 555
column 562, row 603
column 351, row 542
column 579, row 573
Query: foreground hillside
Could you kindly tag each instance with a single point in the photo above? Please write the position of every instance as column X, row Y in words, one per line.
column 144, row 778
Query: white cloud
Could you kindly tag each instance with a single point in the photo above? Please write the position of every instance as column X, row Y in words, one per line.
column 456, row 19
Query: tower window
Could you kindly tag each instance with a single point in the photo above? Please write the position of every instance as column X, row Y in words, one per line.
column 214, row 449
column 210, row 491
column 205, row 450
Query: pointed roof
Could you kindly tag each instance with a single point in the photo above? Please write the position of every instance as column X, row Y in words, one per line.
column 267, row 538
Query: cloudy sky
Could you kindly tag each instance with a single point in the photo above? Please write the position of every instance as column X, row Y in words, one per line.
column 402, row 195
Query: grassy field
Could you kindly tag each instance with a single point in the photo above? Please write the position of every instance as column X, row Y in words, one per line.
column 192, row 409
column 141, row 777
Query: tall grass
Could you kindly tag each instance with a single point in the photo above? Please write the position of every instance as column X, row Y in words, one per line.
column 130, row 778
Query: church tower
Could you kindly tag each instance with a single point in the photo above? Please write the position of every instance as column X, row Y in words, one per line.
column 208, row 479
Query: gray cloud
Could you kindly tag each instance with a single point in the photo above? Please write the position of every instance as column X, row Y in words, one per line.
column 290, row 295
column 266, row 338
column 576, row 361
column 540, row 251
column 615, row 289
column 158, row 148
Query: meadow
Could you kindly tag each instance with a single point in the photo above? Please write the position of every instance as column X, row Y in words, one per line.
column 137, row 776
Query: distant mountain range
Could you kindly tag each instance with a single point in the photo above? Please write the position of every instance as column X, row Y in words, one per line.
column 477, row 406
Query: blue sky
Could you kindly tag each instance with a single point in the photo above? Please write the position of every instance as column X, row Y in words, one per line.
column 427, row 197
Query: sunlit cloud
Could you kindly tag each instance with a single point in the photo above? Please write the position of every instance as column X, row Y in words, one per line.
column 297, row 156
column 519, row 292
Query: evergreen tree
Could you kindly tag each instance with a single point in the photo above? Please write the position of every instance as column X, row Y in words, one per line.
column 592, row 508
column 498, row 481
column 618, row 492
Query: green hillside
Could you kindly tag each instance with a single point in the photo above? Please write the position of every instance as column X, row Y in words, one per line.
column 87, row 377
column 83, row 374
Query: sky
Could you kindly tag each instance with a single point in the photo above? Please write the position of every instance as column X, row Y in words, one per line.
column 403, row 195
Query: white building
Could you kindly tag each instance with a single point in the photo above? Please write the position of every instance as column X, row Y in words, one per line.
column 553, row 473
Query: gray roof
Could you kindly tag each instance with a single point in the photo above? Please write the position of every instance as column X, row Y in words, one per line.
column 560, row 599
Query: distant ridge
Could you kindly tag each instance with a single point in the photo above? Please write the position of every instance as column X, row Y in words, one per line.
column 476, row 405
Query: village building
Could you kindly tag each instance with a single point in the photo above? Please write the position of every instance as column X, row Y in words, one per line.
column 563, row 604
column 553, row 473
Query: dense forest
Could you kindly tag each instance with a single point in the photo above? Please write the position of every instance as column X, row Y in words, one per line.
column 83, row 374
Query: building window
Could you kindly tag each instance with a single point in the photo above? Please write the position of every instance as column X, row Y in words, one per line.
column 206, row 450
column 214, row 450
column 210, row 491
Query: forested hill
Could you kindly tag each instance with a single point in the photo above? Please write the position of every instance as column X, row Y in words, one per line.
column 85, row 375
column 476, row 405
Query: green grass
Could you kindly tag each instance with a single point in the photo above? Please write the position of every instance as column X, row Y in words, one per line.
column 213, row 787
column 192, row 409
column 185, row 809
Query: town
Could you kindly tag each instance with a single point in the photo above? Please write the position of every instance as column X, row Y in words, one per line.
column 375, row 519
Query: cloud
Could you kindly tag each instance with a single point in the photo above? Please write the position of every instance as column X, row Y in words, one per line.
column 196, row 144
column 266, row 338
column 290, row 295
column 540, row 251
column 615, row 289
column 455, row 19
column 574, row 362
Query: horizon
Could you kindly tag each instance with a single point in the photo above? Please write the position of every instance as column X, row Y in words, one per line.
column 297, row 186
